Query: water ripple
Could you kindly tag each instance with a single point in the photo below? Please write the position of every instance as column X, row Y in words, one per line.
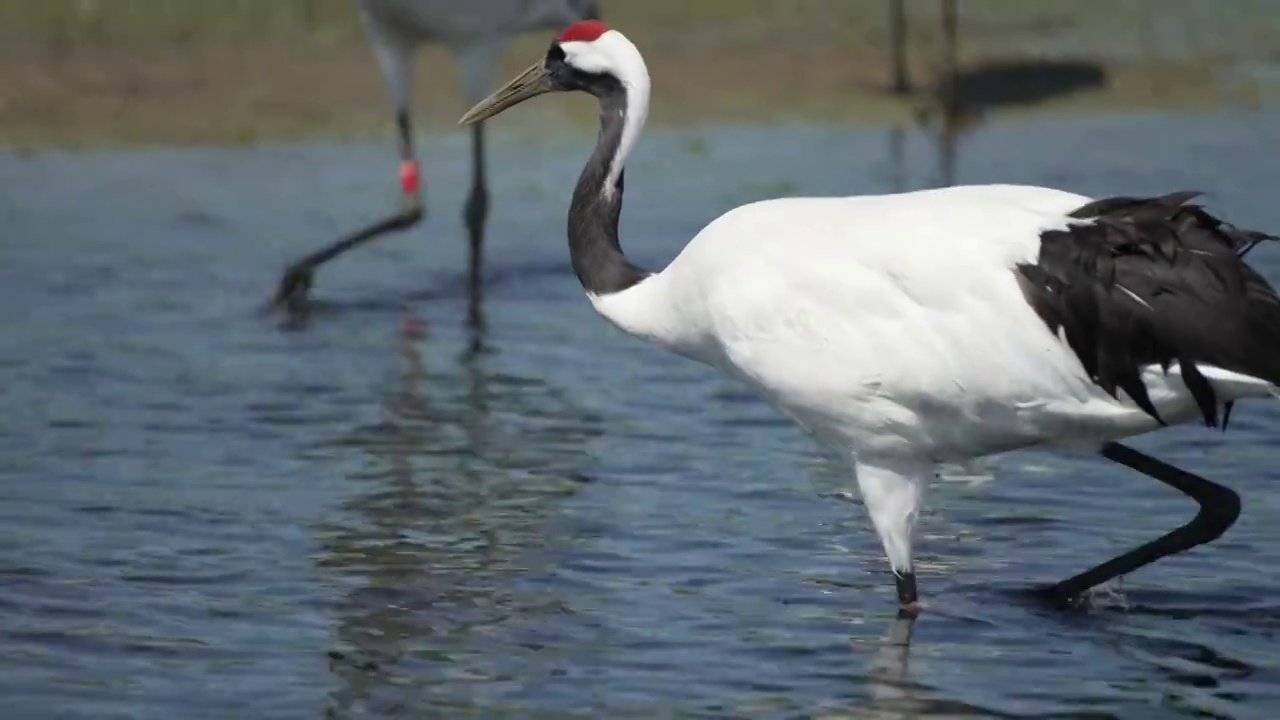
column 389, row 512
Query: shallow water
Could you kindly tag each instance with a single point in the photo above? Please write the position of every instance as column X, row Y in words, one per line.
column 389, row 513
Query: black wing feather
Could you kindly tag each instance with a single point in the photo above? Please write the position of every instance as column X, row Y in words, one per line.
column 1156, row 281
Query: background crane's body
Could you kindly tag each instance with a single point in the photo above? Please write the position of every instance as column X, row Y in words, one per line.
column 476, row 32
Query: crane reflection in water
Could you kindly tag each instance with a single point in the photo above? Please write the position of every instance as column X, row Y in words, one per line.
column 464, row 471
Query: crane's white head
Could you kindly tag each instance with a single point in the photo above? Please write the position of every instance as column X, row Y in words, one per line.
column 588, row 57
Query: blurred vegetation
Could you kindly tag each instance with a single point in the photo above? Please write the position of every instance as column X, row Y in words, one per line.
column 61, row 24
column 1186, row 26
column 76, row 72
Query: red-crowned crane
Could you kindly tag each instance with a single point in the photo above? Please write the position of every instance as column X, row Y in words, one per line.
column 911, row 329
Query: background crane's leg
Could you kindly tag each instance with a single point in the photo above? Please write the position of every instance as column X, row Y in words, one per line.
column 299, row 276
column 900, row 83
column 476, row 65
column 477, row 208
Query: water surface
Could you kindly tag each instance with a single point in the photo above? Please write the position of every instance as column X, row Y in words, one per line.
column 392, row 513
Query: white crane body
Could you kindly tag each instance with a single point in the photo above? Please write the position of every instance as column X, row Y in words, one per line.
column 911, row 329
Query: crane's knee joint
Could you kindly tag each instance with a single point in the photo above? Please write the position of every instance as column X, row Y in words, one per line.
column 1220, row 512
column 412, row 214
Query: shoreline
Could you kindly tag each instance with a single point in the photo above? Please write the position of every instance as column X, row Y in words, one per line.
column 149, row 85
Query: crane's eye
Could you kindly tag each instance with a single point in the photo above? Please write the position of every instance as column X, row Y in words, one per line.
column 555, row 54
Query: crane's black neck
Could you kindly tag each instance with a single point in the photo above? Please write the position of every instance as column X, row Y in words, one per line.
column 594, row 248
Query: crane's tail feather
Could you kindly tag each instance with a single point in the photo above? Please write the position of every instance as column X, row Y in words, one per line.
column 1175, row 208
column 1159, row 280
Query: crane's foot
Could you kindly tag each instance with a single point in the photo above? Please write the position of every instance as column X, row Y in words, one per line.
column 295, row 284
column 297, row 280
column 1054, row 598
column 909, row 604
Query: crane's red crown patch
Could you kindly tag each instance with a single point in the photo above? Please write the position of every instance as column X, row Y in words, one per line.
column 584, row 31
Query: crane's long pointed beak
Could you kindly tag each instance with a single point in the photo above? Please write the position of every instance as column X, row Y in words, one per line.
column 530, row 83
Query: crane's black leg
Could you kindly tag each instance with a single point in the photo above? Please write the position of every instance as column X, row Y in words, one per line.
column 908, row 598
column 298, row 277
column 1219, row 508
column 477, row 208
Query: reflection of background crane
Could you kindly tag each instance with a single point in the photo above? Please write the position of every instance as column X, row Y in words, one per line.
column 957, row 99
column 463, row 468
column 476, row 32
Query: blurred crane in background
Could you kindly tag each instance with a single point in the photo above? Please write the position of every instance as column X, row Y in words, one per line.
column 900, row 84
column 476, row 32
column 955, row 99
